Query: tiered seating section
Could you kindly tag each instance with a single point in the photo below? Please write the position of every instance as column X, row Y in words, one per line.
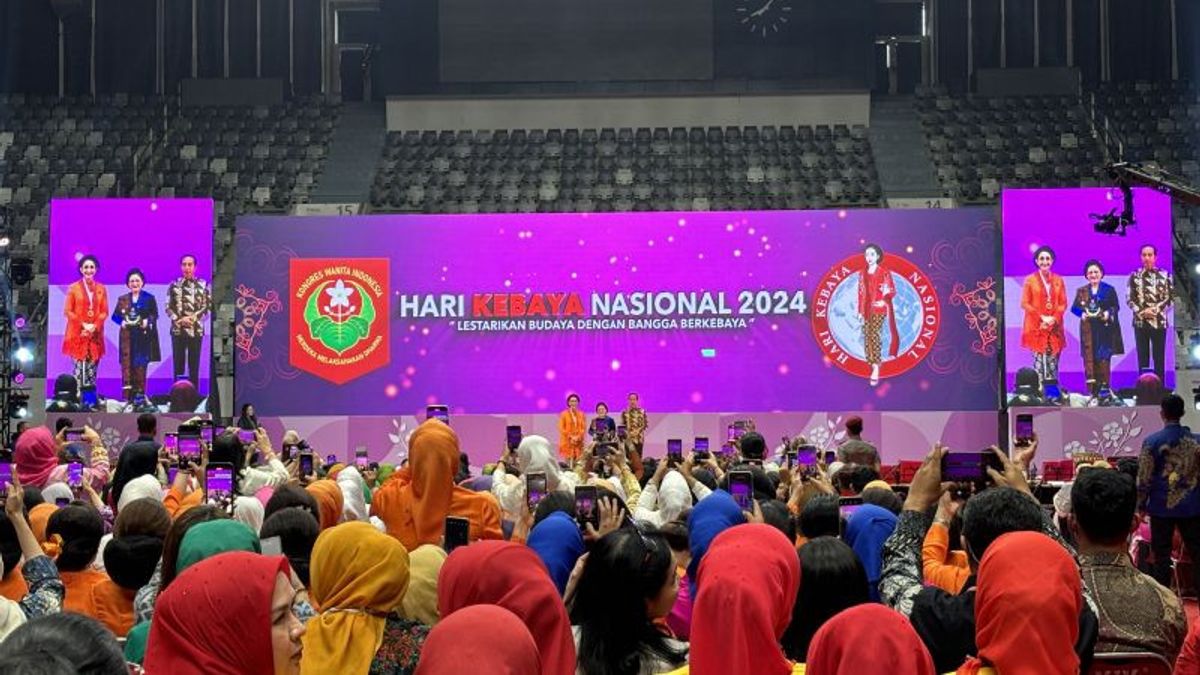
column 590, row 170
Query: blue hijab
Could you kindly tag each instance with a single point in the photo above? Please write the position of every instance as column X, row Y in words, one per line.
column 558, row 543
column 711, row 516
column 866, row 531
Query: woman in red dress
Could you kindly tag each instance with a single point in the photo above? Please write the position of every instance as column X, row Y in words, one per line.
column 875, row 293
column 86, row 310
column 1044, row 301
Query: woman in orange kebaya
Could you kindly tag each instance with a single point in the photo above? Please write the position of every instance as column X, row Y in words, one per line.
column 86, row 310
column 1044, row 301
column 571, row 427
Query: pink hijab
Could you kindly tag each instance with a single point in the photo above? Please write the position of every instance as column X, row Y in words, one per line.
column 36, row 455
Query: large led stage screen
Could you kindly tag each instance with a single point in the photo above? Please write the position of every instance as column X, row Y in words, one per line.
column 1099, row 336
column 130, row 303
column 697, row 312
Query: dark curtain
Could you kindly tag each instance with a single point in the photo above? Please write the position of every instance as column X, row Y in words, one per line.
column 898, row 18
column 28, row 47
column 1052, row 32
column 210, row 38
column 952, row 44
column 1018, row 33
column 275, row 39
column 1140, row 35
column 408, row 61
column 77, row 50
column 985, row 25
column 178, row 44
column 307, row 53
column 125, row 46
column 243, row 28
column 1087, row 40
column 1187, row 24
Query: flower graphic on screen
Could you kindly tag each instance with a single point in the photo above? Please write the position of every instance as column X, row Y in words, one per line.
column 339, row 296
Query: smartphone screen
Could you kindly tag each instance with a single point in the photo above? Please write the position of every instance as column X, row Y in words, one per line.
column 219, row 483
column 272, row 546
column 701, row 444
column 306, row 464
column 6, row 476
column 73, row 435
column 171, row 441
column 438, row 412
column 206, row 432
column 731, row 433
column 458, row 533
column 513, row 436
column 360, row 457
column 246, row 435
column 535, row 489
column 969, row 466
column 622, row 432
column 585, row 506
column 189, row 449
column 172, row 472
column 741, row 486
column 62, row 501
column 848, row 505
column 674, row 451
column 1023, row 428
column 806, row 455
column 74, row 475
column 286, row 453
column 330, row 460
column 830, row 457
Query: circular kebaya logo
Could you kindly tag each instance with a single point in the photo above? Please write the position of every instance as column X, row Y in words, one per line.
column 876, row 315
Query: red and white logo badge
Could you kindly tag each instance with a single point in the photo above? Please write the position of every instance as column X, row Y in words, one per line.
column 339, row 316
column 876, row 309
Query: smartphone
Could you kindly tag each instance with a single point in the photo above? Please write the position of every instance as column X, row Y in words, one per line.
column 171, row 441
column 6, row 477
column 272, row 546
column 438, row 412
column 731, row 433
column 847, row 505
column 806, row 455
column 830, row 457
column 622, row 432
column 360, row 457
column 73, row 435
column 1023, row 429
column 172, row 472
column 62, row 501
column 88, row 398
column 674, row 451
column 218, row 484
column 513, row 436
column 700, row 443
column 330, row 460
column 306, row 464
column 969, row 467
column 206, row 431
column 286, row 453
column 535, row 489
column 246, row 436
column 741, row 486
column 74, row 475
column 458, row 533
column 586, row 510
column 189, row 450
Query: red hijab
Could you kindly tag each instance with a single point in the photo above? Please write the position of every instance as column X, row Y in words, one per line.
column 35, row 456
column 513, row 577
column 215, row 618
column 1027, row 623
column 868, row 638
column 460, row 643
column 748, row 582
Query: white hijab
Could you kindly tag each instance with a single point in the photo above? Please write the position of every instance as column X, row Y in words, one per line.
column 535, row 454
column 142, row 487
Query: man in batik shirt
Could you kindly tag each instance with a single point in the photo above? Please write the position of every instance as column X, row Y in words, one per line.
column 188, row 301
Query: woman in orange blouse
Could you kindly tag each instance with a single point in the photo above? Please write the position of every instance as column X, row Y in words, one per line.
column 1044, row 301
column 86, row 310
column 571, row 427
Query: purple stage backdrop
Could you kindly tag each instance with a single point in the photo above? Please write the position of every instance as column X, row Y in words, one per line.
column 699, row 312
column 1059, row 219
column 149, row 234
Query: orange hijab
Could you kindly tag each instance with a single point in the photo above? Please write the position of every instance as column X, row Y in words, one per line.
column 39, row 518
column 329, row 501
column 415, row 512
column 1026, row 624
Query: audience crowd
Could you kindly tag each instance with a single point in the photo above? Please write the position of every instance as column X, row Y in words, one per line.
column 605, row 562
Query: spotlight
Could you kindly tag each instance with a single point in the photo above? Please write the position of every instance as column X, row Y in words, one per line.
column 4, row 241
column 23, row 355
column 19, row 321
column 1196, row 350
column 18, row 404
column 18, row 378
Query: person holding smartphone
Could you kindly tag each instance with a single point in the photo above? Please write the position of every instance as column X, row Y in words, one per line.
column 227, row 448
column 534, row 454
column 139, row 458
column 44, row 585
column 571, row 427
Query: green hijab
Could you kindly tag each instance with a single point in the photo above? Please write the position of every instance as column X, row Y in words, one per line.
column 205, row 540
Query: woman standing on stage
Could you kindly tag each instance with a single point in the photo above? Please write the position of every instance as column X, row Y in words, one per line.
column 1044, row 300
column 86, row 309
column 137, row 315
column 1096, row 305
column 875, row 293
column 571, row 427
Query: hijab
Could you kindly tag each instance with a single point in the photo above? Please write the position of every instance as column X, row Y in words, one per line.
column 136, row 459
column 358, row 576
column 329, row 501
column 421, row 600
column 205, row 540
column 249, row 512
column 713, row 515
column 557, row 541
column 39, row 518
column 1026, row 623
column 868, row 638
column 866, row 531
column 55, row 491
column 215, row 619
column 35, row 456
column 535, row 454
column 748, row 584
column 476, row 635
column 142, row 487
column 513, row 577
